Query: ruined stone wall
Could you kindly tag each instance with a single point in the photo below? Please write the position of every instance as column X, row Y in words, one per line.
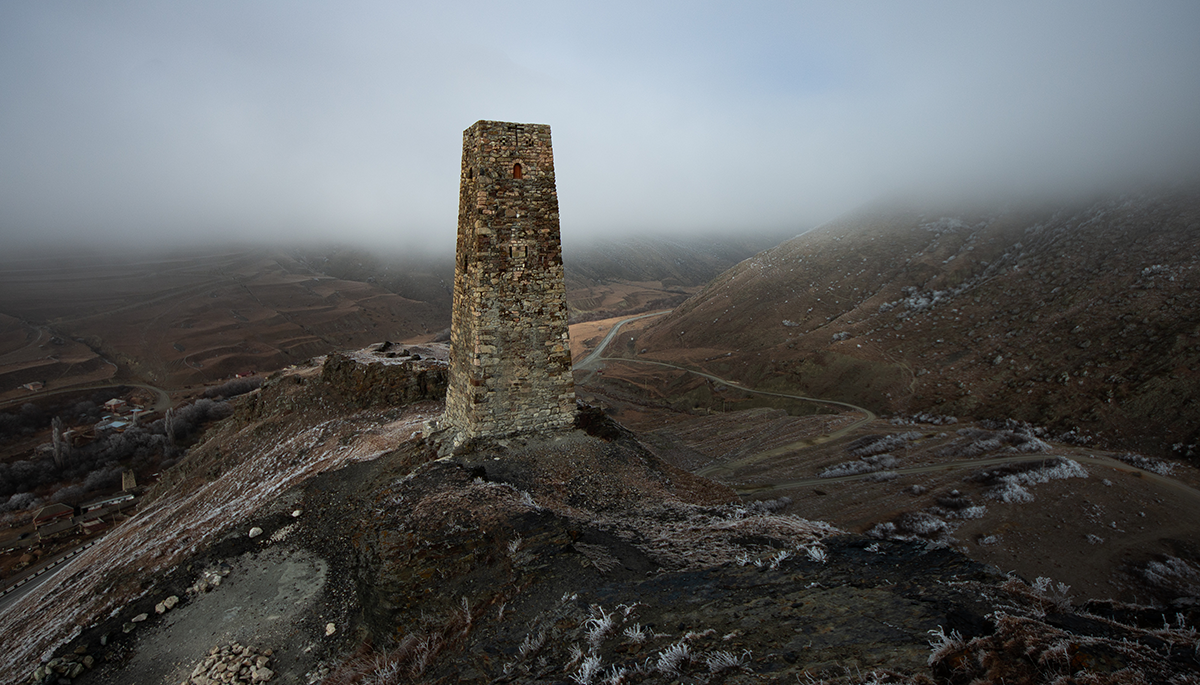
column 510, row 360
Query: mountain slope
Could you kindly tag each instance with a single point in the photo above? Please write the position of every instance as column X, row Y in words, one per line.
column 318, row 528
column 1069, row 316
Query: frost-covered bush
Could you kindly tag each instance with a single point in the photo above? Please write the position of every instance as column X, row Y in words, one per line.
column 878, row 444
column 973, row 442
column 930, row 419
column 71, row 494
column 864, row 465
column 922, row 524
column 188, row 420
column 1007, row 482
column 1177, row 577
column 1150, row 464
column 235, row 387
column 20, row 501
column 106, row 477
column 913, row 525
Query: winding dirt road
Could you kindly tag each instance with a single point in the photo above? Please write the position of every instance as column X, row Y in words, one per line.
column 728, row 468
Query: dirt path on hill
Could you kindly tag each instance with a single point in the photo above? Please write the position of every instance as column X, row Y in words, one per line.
column 161, row 403
column 727, row 469
column 868, row 415
column 595, row 356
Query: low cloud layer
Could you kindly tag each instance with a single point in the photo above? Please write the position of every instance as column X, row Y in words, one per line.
column 174, row 122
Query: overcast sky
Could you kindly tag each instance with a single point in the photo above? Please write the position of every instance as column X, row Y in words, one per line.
column 343, row 120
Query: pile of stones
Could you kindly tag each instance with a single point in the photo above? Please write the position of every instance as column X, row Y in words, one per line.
column 68, row 667
column 232, row 663
column 210, row 579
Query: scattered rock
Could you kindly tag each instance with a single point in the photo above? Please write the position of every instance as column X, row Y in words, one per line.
column 139, row 618
column 209, row 579
column 233, row 663
column 166, row 605
column 296, row 514
column 330, row 629
column 255, row 532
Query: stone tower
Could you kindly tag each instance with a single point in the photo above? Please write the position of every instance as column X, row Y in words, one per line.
column 510, row 358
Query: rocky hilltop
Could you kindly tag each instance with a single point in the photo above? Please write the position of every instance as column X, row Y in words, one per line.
column 315, row 536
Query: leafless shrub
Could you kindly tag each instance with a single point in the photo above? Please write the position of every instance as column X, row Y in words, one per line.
column 1058, row 594
column 1006, row 483
column 588, row 669
column 877, row 444
column 20, row 501
column 725, row 661
column 922, row 524
column 598, row 555
column 1162, row 468
column 637, row 634
column 973, row 442
column 598, row 625
column 943, row 643
column 816, row 553
column 862, row 466
column 235, row 387
column 1174, row 576
column 923, row 418
column 368, row 666
column 913, row 525
column 531, row 644
column 779, row 557
column 671, row 660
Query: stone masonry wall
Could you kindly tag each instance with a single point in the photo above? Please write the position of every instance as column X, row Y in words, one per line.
column 510, row 359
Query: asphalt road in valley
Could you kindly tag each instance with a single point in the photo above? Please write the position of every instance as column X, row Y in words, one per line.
column 594, row 356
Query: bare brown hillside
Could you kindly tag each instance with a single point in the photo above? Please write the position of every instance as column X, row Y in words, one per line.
column 177, row 319
column 1077, row 317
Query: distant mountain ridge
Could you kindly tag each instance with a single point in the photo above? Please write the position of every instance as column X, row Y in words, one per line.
column 675, row 261
column 1082, row 315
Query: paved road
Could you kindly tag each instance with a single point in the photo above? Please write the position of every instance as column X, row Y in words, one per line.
column 39, row 574
column 594, row 355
